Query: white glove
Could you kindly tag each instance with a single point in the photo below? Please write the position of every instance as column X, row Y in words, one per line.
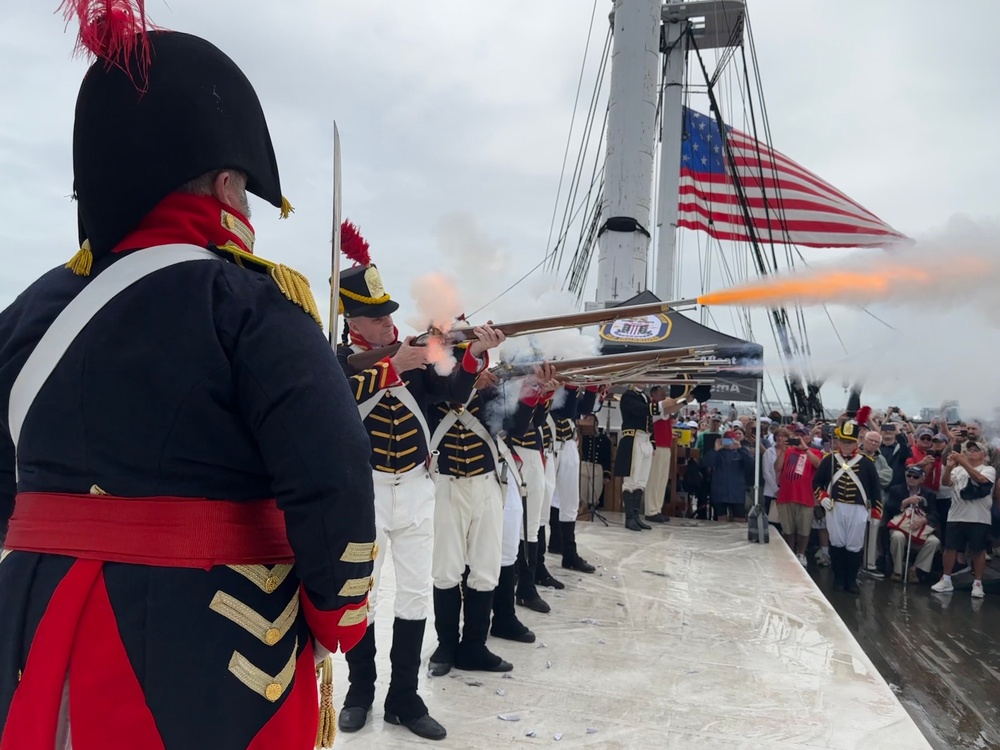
column 827, row 503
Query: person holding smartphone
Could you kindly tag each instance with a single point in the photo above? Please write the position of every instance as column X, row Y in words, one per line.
column 795, row 467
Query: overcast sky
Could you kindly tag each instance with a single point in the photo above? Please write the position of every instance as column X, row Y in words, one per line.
column 455, row 107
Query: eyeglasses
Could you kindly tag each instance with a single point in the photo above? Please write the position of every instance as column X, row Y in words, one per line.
column 913, row 476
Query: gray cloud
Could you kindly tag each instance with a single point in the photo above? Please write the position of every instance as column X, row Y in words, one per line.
column 451, row 107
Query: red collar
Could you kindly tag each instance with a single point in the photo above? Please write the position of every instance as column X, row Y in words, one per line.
column 190, row 219
column 358, row 341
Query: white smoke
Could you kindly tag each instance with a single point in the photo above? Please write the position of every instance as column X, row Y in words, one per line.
column 944, row 346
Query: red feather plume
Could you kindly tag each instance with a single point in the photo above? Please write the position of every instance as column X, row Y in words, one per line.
column 111, row 30
column 353, row 245
column 864, row 413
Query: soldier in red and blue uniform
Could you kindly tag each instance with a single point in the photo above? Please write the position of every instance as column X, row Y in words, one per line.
column 188, row 513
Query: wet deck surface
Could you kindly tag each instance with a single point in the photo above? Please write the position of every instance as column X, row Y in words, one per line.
column 939, row 652
column 689, row 638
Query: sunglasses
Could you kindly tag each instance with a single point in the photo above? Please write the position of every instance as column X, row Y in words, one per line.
column 914, row 476
column 924, row 437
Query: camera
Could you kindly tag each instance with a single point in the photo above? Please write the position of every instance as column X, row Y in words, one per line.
column 795, row 442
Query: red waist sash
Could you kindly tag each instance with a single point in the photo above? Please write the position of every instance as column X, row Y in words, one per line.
column 173, row 532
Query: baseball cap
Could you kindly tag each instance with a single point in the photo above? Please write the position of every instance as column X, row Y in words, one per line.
column 940, row 438
column 925, row 431
column 765, row 420
column 729, row 435
column 970, row 444
column 915, row 471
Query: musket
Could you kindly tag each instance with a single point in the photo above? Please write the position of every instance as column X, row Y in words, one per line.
column 335, row 249
column 364, row 360
column 597, row 364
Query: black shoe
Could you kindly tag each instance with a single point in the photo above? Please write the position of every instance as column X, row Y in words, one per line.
column 441, row 662
column 513, row 630
column 578, row 564
column 478, row 658
column 544, row 578
column 425, row 726
column 536, row 604
column 658, row 518
column 352, row 718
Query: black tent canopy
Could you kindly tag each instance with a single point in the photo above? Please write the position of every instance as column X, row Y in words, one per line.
column 742, row 359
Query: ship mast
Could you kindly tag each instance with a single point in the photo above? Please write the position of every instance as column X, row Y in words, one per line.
column 643, row 30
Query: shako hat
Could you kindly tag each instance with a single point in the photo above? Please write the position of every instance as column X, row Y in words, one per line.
column 156, row 110
column 361, row 292
column 849, row 430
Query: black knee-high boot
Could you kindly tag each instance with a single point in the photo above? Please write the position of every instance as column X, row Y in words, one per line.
column 638, row 501
column 527, row 594
column 505, row 622
column 555, row 532
column 837, row 563
column 472, row 652
column 630, row 507
column 571, row 558
column 542, row 575
column 447, row 611
column 853, row 565
column 361, row 683
column 402, row 704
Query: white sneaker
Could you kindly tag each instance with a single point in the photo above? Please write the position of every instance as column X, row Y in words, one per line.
column 802, row 559
column 824, row 559
column 942, row 586
column 977, row 590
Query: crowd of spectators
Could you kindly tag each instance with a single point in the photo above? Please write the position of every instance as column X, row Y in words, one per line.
column 938, row 510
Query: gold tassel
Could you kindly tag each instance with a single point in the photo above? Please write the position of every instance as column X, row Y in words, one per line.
column 295, row 287
column 286, row 208
column 83, row 261
column 327, row 730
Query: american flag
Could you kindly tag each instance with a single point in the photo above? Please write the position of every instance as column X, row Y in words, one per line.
column 789, row 205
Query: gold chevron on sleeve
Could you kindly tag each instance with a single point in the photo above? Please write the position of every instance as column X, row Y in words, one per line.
column 250, row 620
column 265, row 578
column 359, row 552
column 266, row 686
column 354, row 616
column 356, row 586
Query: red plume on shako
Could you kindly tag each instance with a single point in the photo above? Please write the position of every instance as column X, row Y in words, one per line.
column 353, row 245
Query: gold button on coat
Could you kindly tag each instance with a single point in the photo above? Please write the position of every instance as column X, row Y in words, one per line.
column 273, row 691
column 270, row 584
column 272, row 636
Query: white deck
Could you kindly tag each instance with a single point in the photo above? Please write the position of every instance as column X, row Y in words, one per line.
column 688, row 637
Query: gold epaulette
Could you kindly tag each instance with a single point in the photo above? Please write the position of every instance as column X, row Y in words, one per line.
column 292, row 284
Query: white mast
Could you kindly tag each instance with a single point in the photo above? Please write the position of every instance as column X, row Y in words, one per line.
column 623, row 240
column 712, row 22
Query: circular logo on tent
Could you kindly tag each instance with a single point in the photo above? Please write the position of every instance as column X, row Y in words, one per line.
column 649, row 329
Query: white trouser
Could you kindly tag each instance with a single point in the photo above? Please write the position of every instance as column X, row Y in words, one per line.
column 591, row 483
column 659, row 475
column 925, row 551
column 533, row 474
column 567, row 494
column 642, row 459
column 468, row 528
column 846, row 524
column 404, row 517
column 871, row 551
column 549, row 463
column 513, row 518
